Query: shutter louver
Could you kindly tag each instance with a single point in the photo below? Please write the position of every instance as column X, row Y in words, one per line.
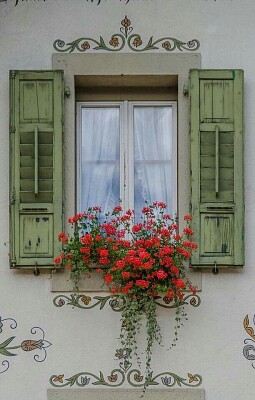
column 217, row 204
column 36, row 166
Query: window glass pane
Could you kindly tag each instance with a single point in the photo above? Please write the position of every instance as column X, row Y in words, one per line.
column 153, row 156
column 100, row 166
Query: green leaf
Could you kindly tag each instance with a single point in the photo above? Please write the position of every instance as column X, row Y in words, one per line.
column 5, row 352
column 7, row 341
column 103, row 300
column 72, row 380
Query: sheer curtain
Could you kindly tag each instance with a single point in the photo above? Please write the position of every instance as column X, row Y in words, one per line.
column 153, row 156
column 100, row 157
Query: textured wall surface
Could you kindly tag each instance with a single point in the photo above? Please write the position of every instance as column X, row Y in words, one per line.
column 59, row 344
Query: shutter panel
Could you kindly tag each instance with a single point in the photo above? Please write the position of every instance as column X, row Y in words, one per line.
column 217, row 204
column 36, row 114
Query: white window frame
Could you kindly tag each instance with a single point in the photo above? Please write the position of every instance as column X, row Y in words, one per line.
column 126, row 121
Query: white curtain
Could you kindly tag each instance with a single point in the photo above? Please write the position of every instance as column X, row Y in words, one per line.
column 100, row 157
column 153, row 148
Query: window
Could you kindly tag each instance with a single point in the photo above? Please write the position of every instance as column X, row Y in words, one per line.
column 101, row 77
column 126, row 151
column 213, row 191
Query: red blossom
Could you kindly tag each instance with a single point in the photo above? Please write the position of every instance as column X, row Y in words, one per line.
column 161, row 274
column 103, row 252
column 146, row 210
column 114, row 289
column 98, row 238
column 109, row 228
column 170, row 294
column 127, row 287
column 125, row 275
column 85, row 250
column 103, row 261
column 120, row 264
column 165, row 232
column 188, row 231
column 96, row 208
column 117, row 209
column 174, row 270
column 142, row 283
column 179, row 283
column 193, row 289
column 63, row 237
column 86, row 239
column 108, row 278
column 136, row 228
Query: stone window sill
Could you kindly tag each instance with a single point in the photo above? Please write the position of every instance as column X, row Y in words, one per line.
column 125, row 394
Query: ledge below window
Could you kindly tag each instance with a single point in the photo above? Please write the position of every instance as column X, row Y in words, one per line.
column 125, row 394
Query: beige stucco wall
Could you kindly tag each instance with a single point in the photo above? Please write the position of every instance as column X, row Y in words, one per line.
column 211, row 342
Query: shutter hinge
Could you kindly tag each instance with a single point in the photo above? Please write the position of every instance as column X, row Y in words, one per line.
column 13, row 196
column 13, row 74
column 13, row 262
column 36, row 270
column 12, row 129
column 215, row 270
column 185, row 90
column 67, row 91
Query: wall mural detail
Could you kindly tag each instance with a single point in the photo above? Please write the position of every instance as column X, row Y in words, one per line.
column 116, row 302
column 7, row 346
column 249, row 348
column 125, row 374
column 125, row 38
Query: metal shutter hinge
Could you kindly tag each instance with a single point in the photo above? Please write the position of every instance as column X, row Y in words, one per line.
column 13, row 196
column 67, row 91
column 185, row 90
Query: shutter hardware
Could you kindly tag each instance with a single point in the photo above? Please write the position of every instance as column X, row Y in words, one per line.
column 13, row 262
column 215, row 270
column 36, row 270
column 185, row 90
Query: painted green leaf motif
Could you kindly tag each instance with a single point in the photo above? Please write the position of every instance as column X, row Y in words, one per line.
column 101, row 44
column 179, row 380
column 72, row 380
column 7, row 353
column 101, row 379
column 72, row 45
column 6, row 342
column 179, row 44
column 102, row 300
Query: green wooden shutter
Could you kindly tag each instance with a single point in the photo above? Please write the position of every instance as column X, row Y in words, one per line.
column 217, row 203
column 36, row 117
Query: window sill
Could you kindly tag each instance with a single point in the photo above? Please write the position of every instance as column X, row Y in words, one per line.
column 125, row 394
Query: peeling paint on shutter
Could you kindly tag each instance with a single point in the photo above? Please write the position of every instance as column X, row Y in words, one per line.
column 217, row 194
column 36, row 117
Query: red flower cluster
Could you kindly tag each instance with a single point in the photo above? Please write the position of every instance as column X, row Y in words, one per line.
column 139, row 256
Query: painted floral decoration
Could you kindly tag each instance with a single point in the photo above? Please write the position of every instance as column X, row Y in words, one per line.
column 138, row 259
